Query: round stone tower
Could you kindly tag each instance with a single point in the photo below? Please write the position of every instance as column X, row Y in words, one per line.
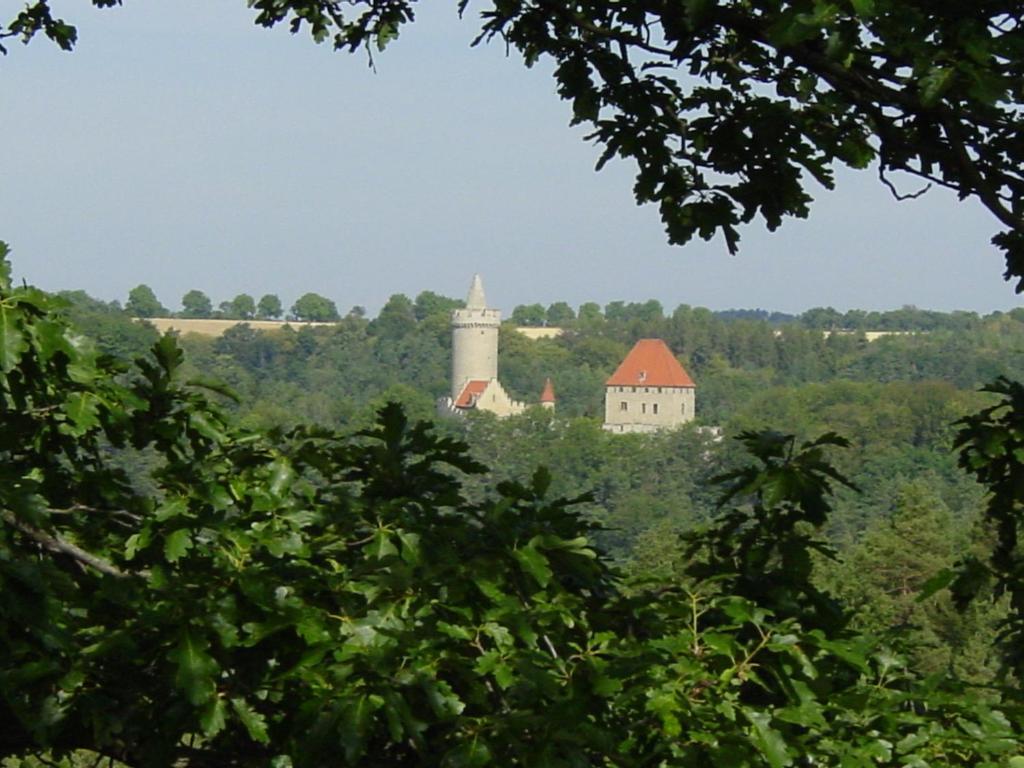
column 474, row 340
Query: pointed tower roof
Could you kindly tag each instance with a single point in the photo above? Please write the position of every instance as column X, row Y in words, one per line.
column 650, row 364
column 475, row 299
column 547, row 395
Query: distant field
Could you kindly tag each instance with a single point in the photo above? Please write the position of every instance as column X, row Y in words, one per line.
column 539, row 333
column 868, row 335
column 217, row 327
column 874, row 335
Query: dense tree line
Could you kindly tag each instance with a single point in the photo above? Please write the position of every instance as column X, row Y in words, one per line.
column 895, row 397
column 195, row 305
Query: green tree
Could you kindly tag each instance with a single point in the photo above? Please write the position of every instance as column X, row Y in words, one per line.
column 397, row 318
column 590, row 314
column 529, row 315
column 142, row 302
column 107, row 324
column 560, row 314
column 992, row 449
column 253, row 349
column 312, row 307
column 429, row 304
column 195, row 303
column 243, row 306
column 884, row 575
column 615, row 311
column 269, row 307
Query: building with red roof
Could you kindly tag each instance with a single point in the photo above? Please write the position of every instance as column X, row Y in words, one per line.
column 650, row 390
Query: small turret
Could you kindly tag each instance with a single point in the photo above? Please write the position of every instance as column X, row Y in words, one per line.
column 547, row 395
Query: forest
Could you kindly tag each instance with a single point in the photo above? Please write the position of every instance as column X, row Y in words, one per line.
column 190, row 576
column 908, row 513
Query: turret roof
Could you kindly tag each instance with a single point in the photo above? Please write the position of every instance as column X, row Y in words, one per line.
column 547, row 395
column 650, row 364
column 476, row 299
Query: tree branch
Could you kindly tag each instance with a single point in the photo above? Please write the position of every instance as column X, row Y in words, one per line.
column 988, row 195
column 895, row 192
column 59, row 546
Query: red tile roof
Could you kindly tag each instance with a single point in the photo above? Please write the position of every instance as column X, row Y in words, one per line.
column 547, row 395
column 473, row 389
column 650, row 364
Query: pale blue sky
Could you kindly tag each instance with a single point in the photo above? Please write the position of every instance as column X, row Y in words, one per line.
column 182, row 147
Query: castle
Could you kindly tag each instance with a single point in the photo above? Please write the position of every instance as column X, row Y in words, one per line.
column 649, row 390
column 474, row 382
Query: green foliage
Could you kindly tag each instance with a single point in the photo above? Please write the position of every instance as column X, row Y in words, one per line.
column 312, row 598
column 590, row 315
column 397, row 318
column 430, row 304
column 110, row 327
column 992, row 449
column 762, row 549
column 269, row 307
column 560, row 314
column 195, row 303
column 882, row 578
column 242, row 307
column 532, row 315
column 142, row 302
column 312, row 307
column 174, row 623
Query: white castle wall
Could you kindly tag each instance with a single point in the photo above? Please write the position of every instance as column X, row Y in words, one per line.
column 494, row 399
column 647, row 409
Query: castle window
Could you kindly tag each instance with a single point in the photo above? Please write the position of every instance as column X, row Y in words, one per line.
column 655, row 406
column 643, row 407
column 623, row 406
column 684, row 409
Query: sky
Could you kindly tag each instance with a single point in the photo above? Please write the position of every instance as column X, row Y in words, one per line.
column 182, row 147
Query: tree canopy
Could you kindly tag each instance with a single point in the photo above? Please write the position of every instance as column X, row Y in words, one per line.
column 142, row 302
column 269, row 307
column 196, row 304
column 730, row 108
column 242, row 307
column 312, row 307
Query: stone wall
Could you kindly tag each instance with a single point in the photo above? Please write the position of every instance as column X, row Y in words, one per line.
column 495, row 399
column 648, row 409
